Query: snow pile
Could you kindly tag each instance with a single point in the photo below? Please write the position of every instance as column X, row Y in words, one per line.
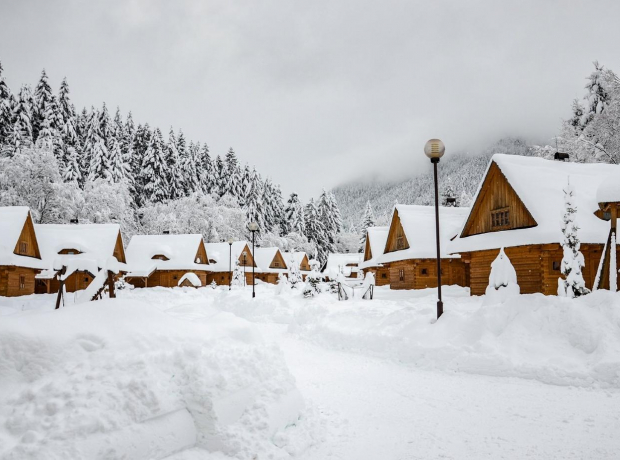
column 550, row 339
column 502, row 281
column 191, row 278
column 608, row 190
column 118, row 378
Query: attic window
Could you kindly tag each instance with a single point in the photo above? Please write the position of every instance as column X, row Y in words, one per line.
column 198, row 261
column 276, row 264
column 500, row 219
column 23, row 247
column 400, row 239
column 424, row 271
column 159, row 257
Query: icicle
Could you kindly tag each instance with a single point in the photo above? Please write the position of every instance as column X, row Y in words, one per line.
column 613, row 269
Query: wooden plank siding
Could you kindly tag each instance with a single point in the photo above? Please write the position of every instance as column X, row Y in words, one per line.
column 17, row 281
column 534, row 265
column 382, row 275
column 396, row 240
column 496, row 193
column 422, row 273
column 166, row 278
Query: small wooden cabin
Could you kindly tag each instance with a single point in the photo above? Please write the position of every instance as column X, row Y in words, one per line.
column 20, row 256
column 519, row 206
column 224, row 257
column 345, row 263
column 411, row 251
column 373, row 250
column 301, row 260
column 270, row 264
column 84, row 244
column 163, row 260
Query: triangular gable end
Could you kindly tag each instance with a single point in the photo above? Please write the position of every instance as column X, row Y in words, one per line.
column 29, row 236
column 119, row 251
column 396, row 240
column 279, row 259
column 367, row 250
column 249, row 257
column 497, row 207
column 201, row 254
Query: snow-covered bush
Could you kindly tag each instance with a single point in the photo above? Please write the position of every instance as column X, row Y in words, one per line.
column 295, row 277
column 213, row 285
column 573, row 284
column 502, row 280
column 238, row 276
column 313, row 284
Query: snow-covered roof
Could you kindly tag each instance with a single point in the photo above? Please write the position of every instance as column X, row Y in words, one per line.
column 220, row 252
column 296, row 258
column 191, row 278
column 263, row 258
column 12, row 221
column 608, row 190
column 346, row 263
column 376, row 237
column 419, row 226
column 540, row 185
column 95, row 242
column 180, row 250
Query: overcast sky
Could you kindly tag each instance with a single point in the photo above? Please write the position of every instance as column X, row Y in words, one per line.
column 315, row 93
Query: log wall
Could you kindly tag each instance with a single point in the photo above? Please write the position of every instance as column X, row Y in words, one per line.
column 422, row 273
column 10, row 283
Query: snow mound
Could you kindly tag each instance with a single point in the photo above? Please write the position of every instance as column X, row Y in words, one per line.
column 192, row 278
column 549, row 339
column 105, row 379
column 609, row 190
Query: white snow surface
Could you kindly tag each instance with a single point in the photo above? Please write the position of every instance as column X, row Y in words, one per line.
column 12, row 220
column 609, row 190
column 502, row 281
column 419, row 224
column 179, row 249
column 377, row 237
column 540, row 184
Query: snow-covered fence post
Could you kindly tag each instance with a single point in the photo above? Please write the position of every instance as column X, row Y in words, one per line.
column 502, row 280
column 573, row 284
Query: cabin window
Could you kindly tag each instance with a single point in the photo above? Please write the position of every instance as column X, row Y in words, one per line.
column 556, row 265
column 400, row 239
column 86, row 279
column 198, row 261
column 276, row 264
column 401, row 274
column 22, row 282
column 212, row 261
column 424, row 271
column 159, row 257
column 174, row 277
column 500, row 219
column 23, row 247
column 384, row 275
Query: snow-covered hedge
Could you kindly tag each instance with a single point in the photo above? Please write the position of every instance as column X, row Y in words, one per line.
column 88, row 380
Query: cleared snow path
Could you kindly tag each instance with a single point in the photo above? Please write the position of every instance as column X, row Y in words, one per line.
column 380, row 410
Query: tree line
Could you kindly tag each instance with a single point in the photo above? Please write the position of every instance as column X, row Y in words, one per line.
column 70, row 158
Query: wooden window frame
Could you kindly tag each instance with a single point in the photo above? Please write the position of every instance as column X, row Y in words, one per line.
column 401, row 274
column 559, row 265
column 23, row 247
column 22, row 282
column 500, row 219
column 400, row 239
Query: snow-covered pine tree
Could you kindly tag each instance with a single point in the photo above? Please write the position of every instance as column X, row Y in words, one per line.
column 367, row 221
column 206, row 169
column 330, row 226
column 219, row 188
column 246, row 177
column 72, row 171
column 126, row 138
column 448, row 192
column 295, row 277
column 188, row 165
column 573, row 284
column 231, row 182
column 118, row 170
column 154, row 170
column 315, row 231
column 254, row 205
column 336, row 215
column 173, row 170
column 21, row 134
column 238, row 275
column 68, row 131
column 6, row 112
column 96, row 149
column 598, row 97
column 466, row 199
column 42, row 100
column 294, row 216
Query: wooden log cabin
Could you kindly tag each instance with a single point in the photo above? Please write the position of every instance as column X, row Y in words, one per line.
column 224, row 257
column 270, row 264
column 411, row 251
column 345, row 263
column 163, row 260
column 301, row 261
column 373, row 250
column 20, row 256
column 519, row 206
column 84, row 244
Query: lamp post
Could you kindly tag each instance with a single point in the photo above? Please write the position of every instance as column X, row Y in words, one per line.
column 253, row 227
column 245, row 264
column 434, row 149
column 230, row 242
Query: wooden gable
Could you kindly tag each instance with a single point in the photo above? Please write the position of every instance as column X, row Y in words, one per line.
column 278, row 261
column 249, row 258
column 201, row 254
column 367, row 250
column 119, row 251
column 396, row 240
column 305, row 263
column 497, row 207
column 27, row 244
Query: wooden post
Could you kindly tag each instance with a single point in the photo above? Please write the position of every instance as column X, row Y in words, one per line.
column 111, row 292
column 61, row 287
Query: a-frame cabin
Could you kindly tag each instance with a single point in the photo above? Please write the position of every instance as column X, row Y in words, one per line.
column 163, row 260
column 373, row 251
column 410, row 250
column 20, row 257
column 270, row 264
column 224, row 257
column 519, row 207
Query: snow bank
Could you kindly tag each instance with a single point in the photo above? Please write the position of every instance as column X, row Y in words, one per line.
column 116, row 378
column 550, row 339
column 192, row 278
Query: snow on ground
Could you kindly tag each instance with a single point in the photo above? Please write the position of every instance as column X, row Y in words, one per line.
column 537, row 377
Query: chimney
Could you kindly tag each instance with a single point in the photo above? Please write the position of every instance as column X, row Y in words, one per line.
column 560, row 156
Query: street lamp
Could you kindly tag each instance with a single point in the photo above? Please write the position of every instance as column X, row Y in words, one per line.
column 245, row 264
column 253, row 227
column 434, row 149
column 230, row 242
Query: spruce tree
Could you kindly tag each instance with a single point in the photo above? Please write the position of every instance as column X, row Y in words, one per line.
column 189, row 166
column 232, row 178
column 205, row 168
column 21, row 135
column 294, row 216
column 367, row 221
column 42, row 101
column 96, row 149
column 219, row 187
column 154, row 170
column 573, row 284
column 315, row 231
column 6, row 111
column 72, row 171
column 253, row 203
column 173, row 170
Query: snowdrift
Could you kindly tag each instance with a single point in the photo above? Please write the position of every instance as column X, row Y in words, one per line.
column 121, row 379
column 550, row 339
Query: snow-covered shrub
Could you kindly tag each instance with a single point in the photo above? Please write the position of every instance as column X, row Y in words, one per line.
column 121, row 284
column 238, row 276
column 573, row 284
column 213, row 285
column 295, row 277
column 313, row 284
column 502, row 280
